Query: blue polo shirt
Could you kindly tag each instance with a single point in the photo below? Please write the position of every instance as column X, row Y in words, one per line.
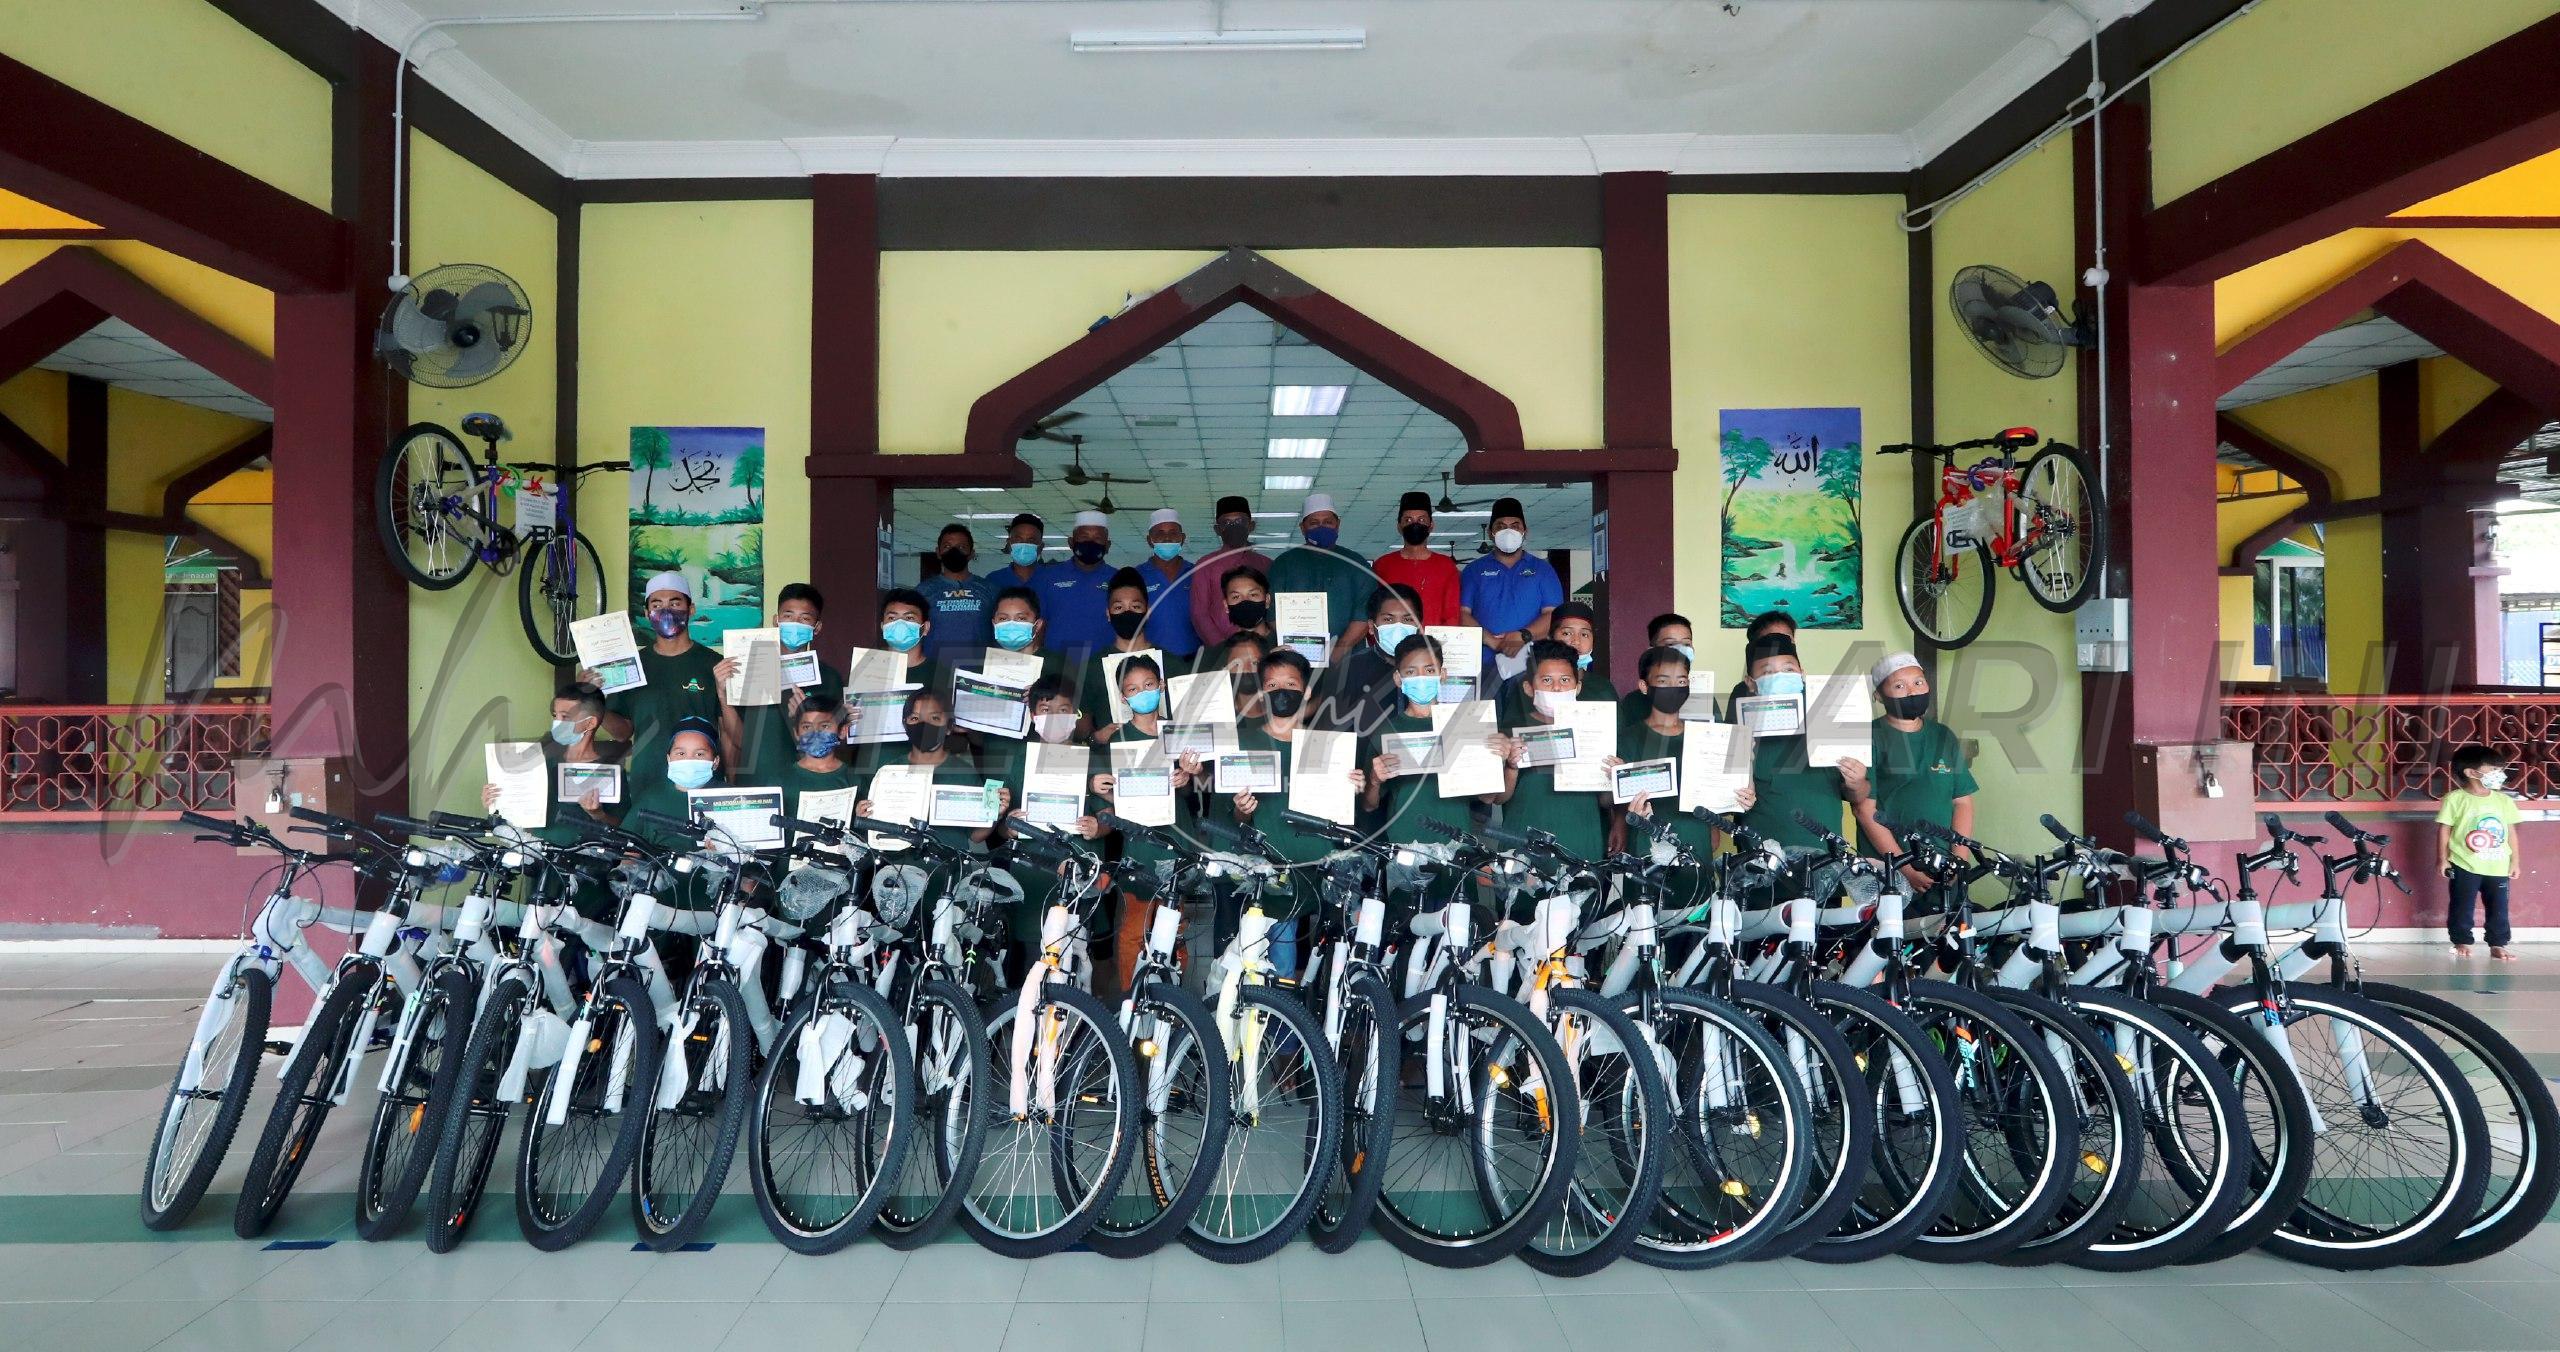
column 1504, row 598
column 962, row 611
column 1169, row 625
column 1076, row 601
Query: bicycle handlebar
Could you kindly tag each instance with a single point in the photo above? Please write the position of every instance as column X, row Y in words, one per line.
column 671, row 825
column 2011, row 438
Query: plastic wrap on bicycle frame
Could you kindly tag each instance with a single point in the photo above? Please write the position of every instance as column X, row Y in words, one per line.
column 810, row 889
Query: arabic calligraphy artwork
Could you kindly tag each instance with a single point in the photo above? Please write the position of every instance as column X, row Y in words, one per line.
column 697, row 508
column 1792, row 537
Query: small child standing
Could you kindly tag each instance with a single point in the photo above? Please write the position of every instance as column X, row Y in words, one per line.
column 2476, row 828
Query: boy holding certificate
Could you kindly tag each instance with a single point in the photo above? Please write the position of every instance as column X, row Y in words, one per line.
column 1662, row 682
column 1580, row 822
column 1785, row 781
column 577, row 713
column 1171, row 786
column 1255, row 777
column 766, row 735
column 931, row 746
column 1042, row 798
column 818, row 763
column 686, row 680
column 1920, row 773
column 1126, row 612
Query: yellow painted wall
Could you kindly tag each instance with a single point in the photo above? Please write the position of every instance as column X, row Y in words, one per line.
column 2528, row 189
column 2014, row 693
column 2290, row 67
column 244, row 311
column 472, row 676
column 2333, row 428
column 25, row 213
column 185, row 68
column 2233, row 523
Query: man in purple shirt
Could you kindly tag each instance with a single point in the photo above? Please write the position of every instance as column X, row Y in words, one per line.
column 1208, row 582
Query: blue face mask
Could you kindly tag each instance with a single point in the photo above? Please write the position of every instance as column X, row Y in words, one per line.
column 817, row 742
column 690, row 774
column 1420, row 689
column 1013, row 634
column 1582, row 661
column 1322, row 537
column 1780, row 683
column 1147, row 701
column 1687, row 653
column 1023, row 553
column 902, row 635
column 564, row 731
column 1167, row 550
column 795, row 634
column 1391, row 636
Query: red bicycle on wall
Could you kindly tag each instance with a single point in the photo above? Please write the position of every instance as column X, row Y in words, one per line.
column 2046, row 523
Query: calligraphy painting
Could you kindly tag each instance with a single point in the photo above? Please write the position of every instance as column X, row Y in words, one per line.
column 697, row 508
column 1792, row 538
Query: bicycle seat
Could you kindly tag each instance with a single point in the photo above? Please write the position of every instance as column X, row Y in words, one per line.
column 486, row 426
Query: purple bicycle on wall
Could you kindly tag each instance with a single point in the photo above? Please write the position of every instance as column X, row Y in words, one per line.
column 439, row 510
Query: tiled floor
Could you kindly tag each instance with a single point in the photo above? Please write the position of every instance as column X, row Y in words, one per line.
column 87, row 1044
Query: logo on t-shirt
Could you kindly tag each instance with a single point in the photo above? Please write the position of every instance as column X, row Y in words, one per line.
column 2487, row 836
column 694, row 684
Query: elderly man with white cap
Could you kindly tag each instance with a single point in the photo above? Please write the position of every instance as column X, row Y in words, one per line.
column 1075, row 592
column 1169, row 582
column 1920, row 774
column 1321, row 564
column 686, row 680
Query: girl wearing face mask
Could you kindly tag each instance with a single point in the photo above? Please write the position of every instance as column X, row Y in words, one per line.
column 685, row 680
column 1662, row 684
column 1054, row 721
column 1920, row 774
column 1784, row 782
column 691, row 761
column 1580, row 822
column 1286, row 692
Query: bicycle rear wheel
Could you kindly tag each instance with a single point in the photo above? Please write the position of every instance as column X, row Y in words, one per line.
column 2063, row 511
column 561, row 584
column 1945, row 592
column 2021, row 1134
column 567, row 1173
column 400, row 1147
column 198, row 1122
column 1504, row 1107
column 833, row 1120
column 1370, row 1057
column 949, row 1042
column 1287, row 1130
column 475, row 1117
column 1919, row 1129
column 1078, row 1084
column 426, row 506
column 2524, row 1174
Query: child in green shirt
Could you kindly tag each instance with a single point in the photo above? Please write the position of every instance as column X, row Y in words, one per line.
column 2476, row 829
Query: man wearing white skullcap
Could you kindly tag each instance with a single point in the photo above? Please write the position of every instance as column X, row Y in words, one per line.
column 1168, row 577
column 1920, row 773
column 1321, row 564
column 1075, row 592
column 684, row 680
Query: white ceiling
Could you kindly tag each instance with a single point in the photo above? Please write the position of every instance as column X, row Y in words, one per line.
column 1214, row 384
column 120, row 354
column 957, row 87
column 2350, row 350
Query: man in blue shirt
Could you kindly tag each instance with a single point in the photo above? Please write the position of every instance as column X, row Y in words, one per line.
column 956, row 600
column 1169, row 582
column 1075, row 593
column 1021, row 553
column 1509, row 593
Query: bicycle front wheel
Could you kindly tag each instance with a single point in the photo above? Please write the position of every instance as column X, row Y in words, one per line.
column 2062, row 524
column 1287, row 1128
column 1062, row 1124
column 475, row 1117
column 206, row 1100
column 426, row 506
column 2109, row 1166
column 1945, row 589
column 563, row 584
column 568, row 1171
column 2193, row 1136
column 1739, row 1136
column 1486, row 1134
column 2021, row 1132
column 833, row 1120
column 1840, row 1124
column 948, row 1039
column 1370, row 1057
column 1183, row 1115
column 401, row 1145
column 2523, row 1125
column 700, row 1107
column 1919, row 1131
column 303, row 1100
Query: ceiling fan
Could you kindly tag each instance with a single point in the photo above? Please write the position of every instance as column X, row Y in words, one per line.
column 1075, row 475
column 1104, row 504
column 1449, row 504
column 1046, row 429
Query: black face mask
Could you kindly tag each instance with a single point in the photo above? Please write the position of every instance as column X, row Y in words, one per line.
column 1089, row 551
column 1247, row 614
column 926, row 737
column 1248, row 684
column 1234, row 534
column 1284, row 703
column 1667, row 699
column 1127, row 623
column 1906, row 706
column 1415, row 532
column 955, row 560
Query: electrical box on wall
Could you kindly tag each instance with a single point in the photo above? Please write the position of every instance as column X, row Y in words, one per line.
column 266, row 790
column 2102, row 634
column 2205, row 791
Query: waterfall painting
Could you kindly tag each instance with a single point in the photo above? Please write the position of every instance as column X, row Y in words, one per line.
column 697, row 508
column 1792, row 540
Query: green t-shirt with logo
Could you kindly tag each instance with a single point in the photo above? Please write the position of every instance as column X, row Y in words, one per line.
column 679, row 687
column 1918, row 775
column 2483, row 831
column 766, row 741
column 1409, row 804
column 1786, row 785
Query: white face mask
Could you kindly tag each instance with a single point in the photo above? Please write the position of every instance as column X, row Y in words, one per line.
column 1509, row 541
column 1053, row 727
column 1553, row 703
column 2493, row 779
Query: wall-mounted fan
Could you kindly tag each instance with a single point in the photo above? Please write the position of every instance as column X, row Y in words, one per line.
column 2019, row 325
column 1075, row 475
column 454, row 325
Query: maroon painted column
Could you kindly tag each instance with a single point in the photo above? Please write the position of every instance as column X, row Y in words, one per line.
column 1635, row 410
column 845, row 509
column 342, row 649
column 2437, row 588
column 84, row 545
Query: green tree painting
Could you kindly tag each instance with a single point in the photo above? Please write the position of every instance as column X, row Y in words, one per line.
column 697, row 508
column 1793, row 539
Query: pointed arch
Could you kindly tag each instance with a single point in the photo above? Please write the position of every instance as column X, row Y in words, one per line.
column 2432, row 296
column 67, row 292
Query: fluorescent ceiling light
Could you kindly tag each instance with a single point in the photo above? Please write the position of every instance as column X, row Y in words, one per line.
column 1290, row 483
column 1297, row 448
column 1307, row 401
column 1220, row 40
column 988, row 516
column 982, row 490
column 1454, row 515
column 1275, row 516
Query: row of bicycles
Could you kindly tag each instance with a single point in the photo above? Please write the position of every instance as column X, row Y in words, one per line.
column 1495, row 1048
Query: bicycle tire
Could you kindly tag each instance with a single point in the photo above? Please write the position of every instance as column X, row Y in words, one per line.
column 627, row 1020
column 187, row 1179
column 548, row 634
column 887, row 1114
column 475, row 1119
column 1840, row 1131
column 1735, row 1171
column 2091, row 525
column 1618, row 1169
column 2017, row 1122
column 1368, row 1114
column 387, row 506
column 1019, row 1150
column 284, row 1146
column 2322, row 1231
column 1162, row 1189
column 2273, row 1109
column 670, row 1203
column 1307, row 1143
column 1440, row 1225
column 2173, row 1063
column 1922, row 536
column 397, row 1154
column 1918, row 1129
column 2518, row 1197
column 2111, row 1143
column 952, row 1076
